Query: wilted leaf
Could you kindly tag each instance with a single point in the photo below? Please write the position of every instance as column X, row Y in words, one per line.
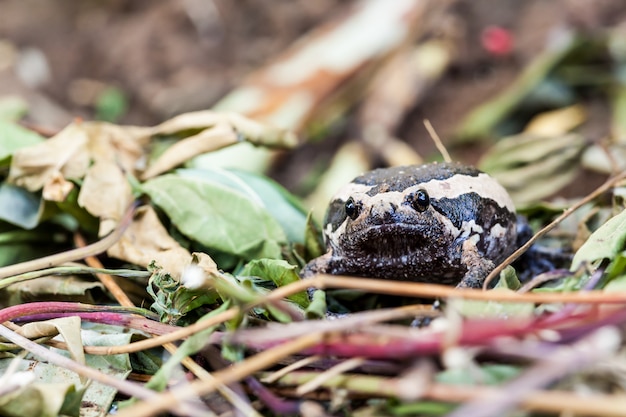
column 217, row 217
column 146, row 241
column 68, row 327
column 19, row 207
column 54, row 391
column 38, row 400
column 50, row 288
column 214, row 131
column 606, row 159
column 533, row 167
column 105, row 193
column 556, row 122
column 34, row 166
column 604, row 243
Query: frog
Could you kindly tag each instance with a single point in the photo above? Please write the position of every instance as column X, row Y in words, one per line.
column 443, row 222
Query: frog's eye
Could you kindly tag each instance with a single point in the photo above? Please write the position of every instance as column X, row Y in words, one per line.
column 352, row 208
column 419, row 200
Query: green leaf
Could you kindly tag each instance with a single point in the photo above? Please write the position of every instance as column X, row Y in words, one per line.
column 14, row 137
column 487, row 375
column 192, row 345
column 317, row 308
column 12, row 253
column 12, row 108
column 279, row 272
column 54, row 391
column 172, row 300
column 283, row 206
column 19, row 207
column 217, row 217
column 497, row 309
column 313, row 238
column 111, row 104
column 508, row 279
column 604, row 243
column 38, row 400
column 421, row 408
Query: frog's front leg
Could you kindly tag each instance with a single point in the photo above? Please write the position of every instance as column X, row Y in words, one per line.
column 478, row 267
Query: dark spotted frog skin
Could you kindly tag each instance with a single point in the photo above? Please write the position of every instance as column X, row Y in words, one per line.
column 442, row 223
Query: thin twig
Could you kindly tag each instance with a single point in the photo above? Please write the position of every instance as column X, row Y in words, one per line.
column 123, row 386
column 106, row 279
column 587, row 404
column 597, row 192
column 438, row 143
column 74, row 254
column 338, row 369
column 187, row 362
column 170, row 400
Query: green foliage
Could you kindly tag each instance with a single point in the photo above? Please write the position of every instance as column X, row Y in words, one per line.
column 111, row 105
column 19, row 207
column 189, row 347
column 605, row 243
column 278, row 272
column 218, row 217
column 172, row 300
column 14, row 137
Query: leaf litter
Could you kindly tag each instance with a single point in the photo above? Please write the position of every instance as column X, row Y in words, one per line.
column 216, row 251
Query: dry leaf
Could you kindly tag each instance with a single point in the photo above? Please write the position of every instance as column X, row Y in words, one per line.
column 557, row 122
column 105, row 193
column 146, row 240
column 57, row 188
column 65, row 154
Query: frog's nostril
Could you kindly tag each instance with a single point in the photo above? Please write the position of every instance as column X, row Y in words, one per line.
column 383, row 212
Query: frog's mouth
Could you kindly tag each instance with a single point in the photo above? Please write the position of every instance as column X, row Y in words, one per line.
column 393, row 240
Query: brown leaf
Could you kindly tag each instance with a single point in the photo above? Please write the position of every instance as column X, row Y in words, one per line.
column 105, row 193
column 146, row 240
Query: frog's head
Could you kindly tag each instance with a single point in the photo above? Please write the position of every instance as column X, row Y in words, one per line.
column 414, row 212
column 386, row 224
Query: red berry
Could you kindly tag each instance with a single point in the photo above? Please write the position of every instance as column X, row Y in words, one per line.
column 497, row 40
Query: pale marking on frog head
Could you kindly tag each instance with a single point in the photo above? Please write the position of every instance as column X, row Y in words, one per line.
column 471, row 227
column 483, row 185
column 453, row 187
column 497, row 231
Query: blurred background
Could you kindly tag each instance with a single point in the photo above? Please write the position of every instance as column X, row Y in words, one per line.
column 142, row 62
